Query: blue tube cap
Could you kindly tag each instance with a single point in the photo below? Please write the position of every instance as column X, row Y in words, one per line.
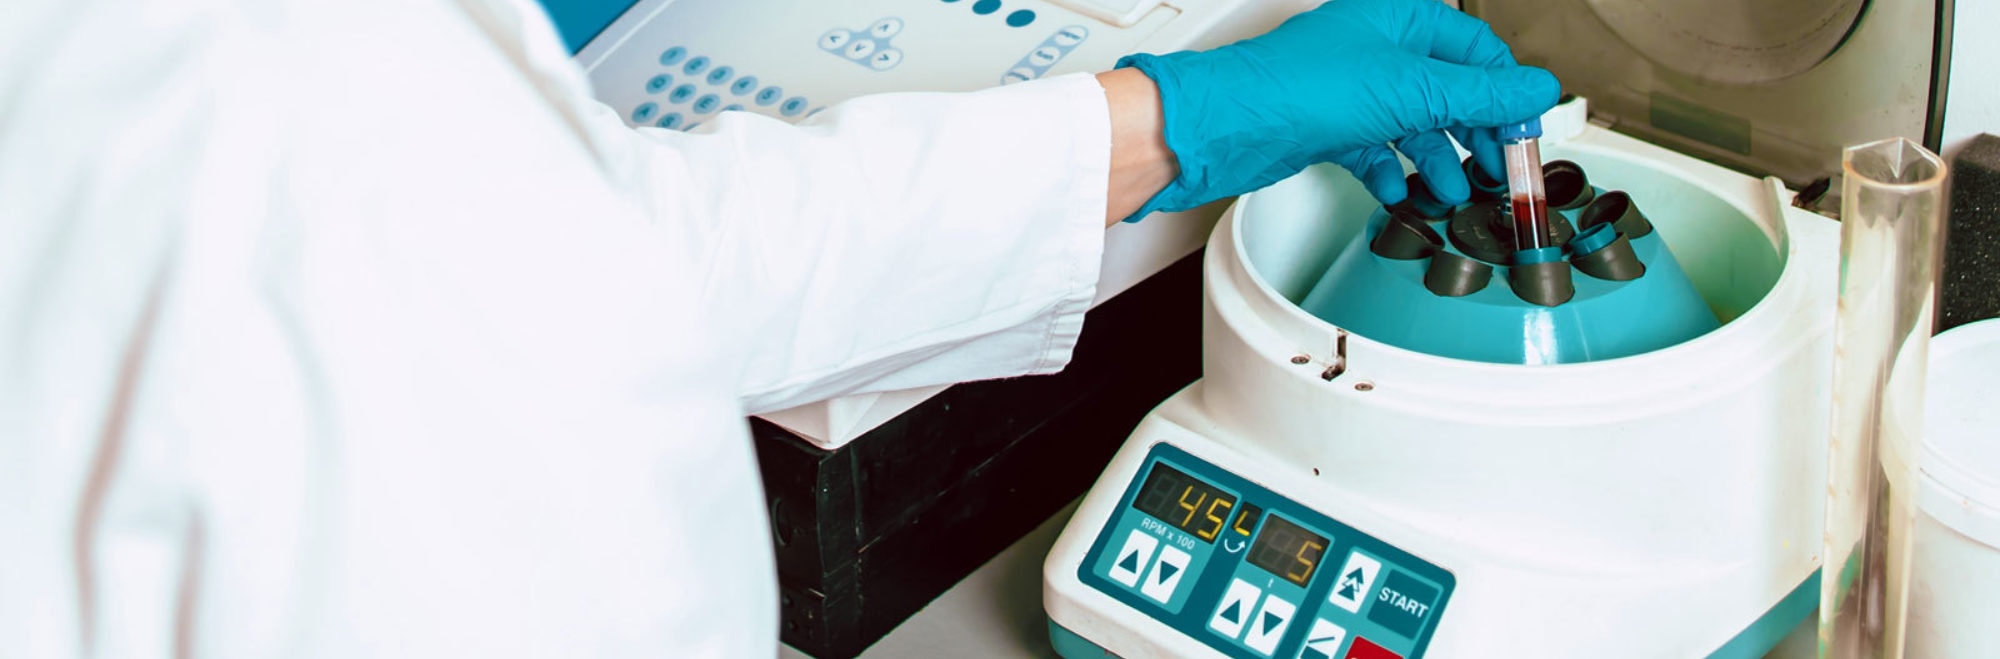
column 1539, row 255
column 1593, row 239
column 1533, row 128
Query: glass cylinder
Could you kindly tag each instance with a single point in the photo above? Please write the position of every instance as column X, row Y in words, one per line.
column 1892, row 209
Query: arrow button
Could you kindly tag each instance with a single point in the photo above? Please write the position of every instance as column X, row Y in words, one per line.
column 835, row 39
column 1356, row 577
column 1229, row 613
column 1349, row 584
column 1166, row 574
column 1138, row 549
column 886, row 59
column 1271, row 623
column 1323, row 640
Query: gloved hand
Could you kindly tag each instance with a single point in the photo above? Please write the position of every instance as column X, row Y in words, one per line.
column 1339, row 83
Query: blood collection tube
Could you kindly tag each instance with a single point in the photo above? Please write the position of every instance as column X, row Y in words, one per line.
column 1538, row 274
column 1522, row 146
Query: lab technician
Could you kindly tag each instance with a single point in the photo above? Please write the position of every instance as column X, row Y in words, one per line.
column 353, row 329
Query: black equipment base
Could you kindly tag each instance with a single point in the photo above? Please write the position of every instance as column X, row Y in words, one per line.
column 869, row 533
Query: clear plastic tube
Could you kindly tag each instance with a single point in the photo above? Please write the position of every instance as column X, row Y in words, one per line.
column 1892, row 205
column 1524, row 191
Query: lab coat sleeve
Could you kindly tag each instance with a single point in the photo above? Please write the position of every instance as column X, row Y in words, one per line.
column 892, row 241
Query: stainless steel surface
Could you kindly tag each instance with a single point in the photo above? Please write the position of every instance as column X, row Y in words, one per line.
column 1734, row 42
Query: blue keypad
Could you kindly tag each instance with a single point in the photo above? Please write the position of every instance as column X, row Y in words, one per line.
column 984, row 7
column 793, row 106
column 1021, row 18
column 707, row 87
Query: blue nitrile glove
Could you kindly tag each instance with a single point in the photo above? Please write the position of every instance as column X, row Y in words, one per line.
column 1340, row 83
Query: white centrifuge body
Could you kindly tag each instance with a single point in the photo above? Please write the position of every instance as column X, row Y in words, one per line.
column 1654, row 505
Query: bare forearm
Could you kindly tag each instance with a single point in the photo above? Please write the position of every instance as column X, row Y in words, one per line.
column 1141, row 165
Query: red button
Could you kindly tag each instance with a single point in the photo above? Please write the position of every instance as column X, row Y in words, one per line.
column 1363, row 649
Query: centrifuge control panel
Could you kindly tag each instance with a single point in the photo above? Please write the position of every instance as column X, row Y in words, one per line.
column 1253, row 574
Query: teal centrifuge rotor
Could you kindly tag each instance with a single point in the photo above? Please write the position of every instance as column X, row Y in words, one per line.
column 1438, row 279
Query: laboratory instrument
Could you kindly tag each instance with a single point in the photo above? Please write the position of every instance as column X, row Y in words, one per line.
column 880, row 502
column 1892, row 218
column 1492, row 498
column 1470, row 503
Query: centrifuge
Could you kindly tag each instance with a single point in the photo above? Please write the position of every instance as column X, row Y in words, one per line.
column 1325, row 493
column 1412, row 439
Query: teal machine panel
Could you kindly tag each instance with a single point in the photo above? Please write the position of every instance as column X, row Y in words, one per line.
column 579, row 21
column 1254, row 574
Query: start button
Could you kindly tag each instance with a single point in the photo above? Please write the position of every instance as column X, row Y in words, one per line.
column 1403, row 604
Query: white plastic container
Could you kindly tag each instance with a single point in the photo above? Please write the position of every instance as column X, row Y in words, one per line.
column 1955, row 594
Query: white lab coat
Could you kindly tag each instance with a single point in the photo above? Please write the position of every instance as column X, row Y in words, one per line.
column 345, row 329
